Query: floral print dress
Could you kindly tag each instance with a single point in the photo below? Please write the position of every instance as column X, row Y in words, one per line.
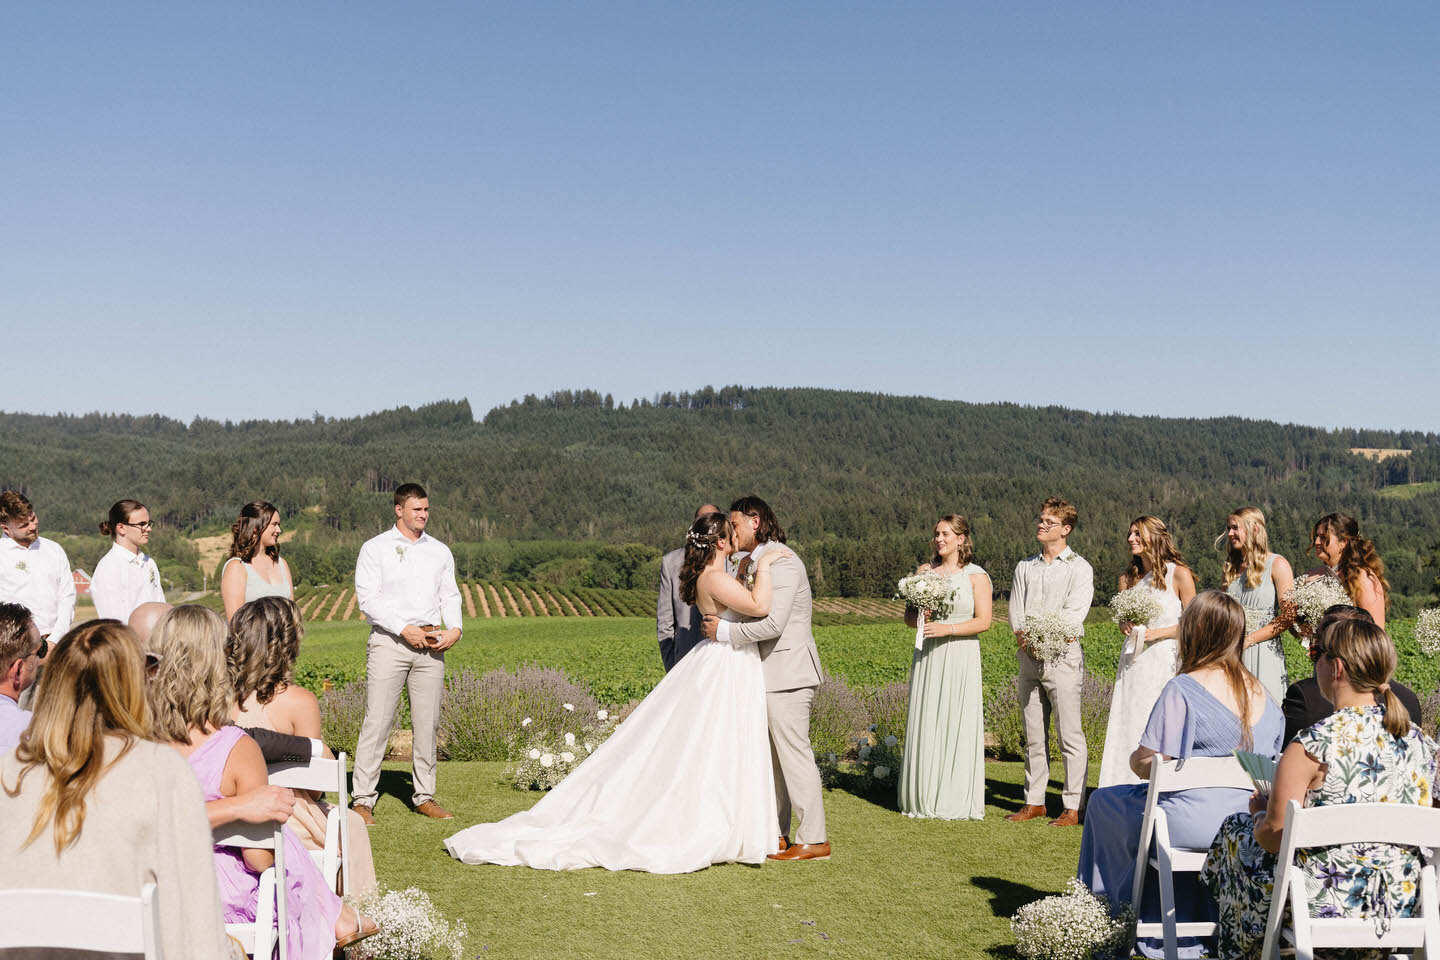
column 1364, row 765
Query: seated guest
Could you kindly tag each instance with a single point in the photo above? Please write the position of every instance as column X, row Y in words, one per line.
column 89, row 803
column 261, row 649
column 1306, row 706
column 21, row 651
column 1211, row 708
column 1367, row 751
column 190, row 699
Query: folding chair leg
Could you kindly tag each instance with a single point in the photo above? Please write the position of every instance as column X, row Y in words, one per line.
column 1167, row 906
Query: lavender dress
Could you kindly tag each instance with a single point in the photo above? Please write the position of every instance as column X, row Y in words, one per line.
column 313, row 908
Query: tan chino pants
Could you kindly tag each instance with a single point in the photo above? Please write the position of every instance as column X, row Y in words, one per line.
column 393, row 665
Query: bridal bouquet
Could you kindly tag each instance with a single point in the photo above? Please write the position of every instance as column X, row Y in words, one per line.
column 1255, row 618
column 926, row 591
column 1427, row 631
column 539, row 761
column 1074, row 925
column 1049, row 635
column 1313, row 596
column 1138, row 605
column 411, row 928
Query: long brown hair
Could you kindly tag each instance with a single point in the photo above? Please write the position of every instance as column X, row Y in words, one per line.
column 261, row 648
column 1212, row 633
column 245, row 532
column 1157, row 549
column 700, row 544
column 93, row 687
column 1248, row 560
column 965, row 552
column 769, row 528
column 1369, row 656
column 1358, row 556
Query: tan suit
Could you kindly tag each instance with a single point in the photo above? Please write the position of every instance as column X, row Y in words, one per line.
column 792, row 672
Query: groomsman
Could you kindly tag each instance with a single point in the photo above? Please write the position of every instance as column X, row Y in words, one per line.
column 675, row 620
column 35, row 573
column 21, row 651
column 1057, row 579
column 405, row 586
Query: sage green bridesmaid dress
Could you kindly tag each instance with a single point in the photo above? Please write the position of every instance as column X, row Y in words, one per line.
column 942, row 775
column 1265, row 660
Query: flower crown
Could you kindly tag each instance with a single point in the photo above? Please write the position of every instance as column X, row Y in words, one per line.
column 697, row 539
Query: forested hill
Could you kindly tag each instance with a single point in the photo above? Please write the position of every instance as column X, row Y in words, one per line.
column 857, row 478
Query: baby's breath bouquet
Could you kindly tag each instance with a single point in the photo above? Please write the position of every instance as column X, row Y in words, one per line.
column 1138, row 605
column 1049, row 635
column 539, row 761
column 1074, row 925
column 926, row 590
column 1312, row 596
column 411, row 928
column 1427, row 631
column 1255, row 618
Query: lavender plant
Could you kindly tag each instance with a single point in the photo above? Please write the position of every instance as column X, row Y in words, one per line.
column 836, row 716
column 480, row 714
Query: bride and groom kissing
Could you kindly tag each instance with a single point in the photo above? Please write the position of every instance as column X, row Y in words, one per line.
column 715, row 764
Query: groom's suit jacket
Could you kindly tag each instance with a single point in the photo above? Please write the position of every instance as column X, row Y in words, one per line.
column 787, row 647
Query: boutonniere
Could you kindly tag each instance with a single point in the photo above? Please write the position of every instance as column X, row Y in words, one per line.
column 152, row 576
column 22, row 566
column 750, row 580
column 400, row 551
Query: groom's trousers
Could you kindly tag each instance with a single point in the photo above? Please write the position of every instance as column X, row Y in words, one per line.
column 797, row 779
column 393, row 665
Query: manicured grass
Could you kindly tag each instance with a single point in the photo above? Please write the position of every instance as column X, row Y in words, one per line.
column 895, row 887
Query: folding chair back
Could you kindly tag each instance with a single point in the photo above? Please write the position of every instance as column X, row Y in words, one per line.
column 323, row 776
column 76, row 920
column 271, row 907
column 1173, row 776
column 1405, row 824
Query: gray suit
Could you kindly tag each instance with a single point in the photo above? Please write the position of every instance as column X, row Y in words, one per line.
column 676, row 622
column 792, row 672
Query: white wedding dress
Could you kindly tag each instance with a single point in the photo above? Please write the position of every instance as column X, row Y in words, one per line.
column 1139, row 679
column 682, row 783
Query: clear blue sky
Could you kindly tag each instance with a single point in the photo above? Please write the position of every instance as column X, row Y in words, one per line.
column 267, row 209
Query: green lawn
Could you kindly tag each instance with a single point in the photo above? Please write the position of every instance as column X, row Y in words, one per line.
column 894, row 888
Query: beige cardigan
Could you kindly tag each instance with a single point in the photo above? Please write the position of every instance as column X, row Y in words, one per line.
column 145, row 823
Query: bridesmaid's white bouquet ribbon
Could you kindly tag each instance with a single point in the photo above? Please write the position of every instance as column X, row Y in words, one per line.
column 1427, row 631
column 926, row 590
column 1138, row 606
column 1313, row 596
column 1049, row 635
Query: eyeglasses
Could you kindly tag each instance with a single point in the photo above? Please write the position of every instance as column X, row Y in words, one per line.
column 146, row 525
column 1316, row 652
column 1044, row 524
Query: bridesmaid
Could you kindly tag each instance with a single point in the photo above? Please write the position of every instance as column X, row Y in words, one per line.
column 942, row 775
column 255, row 568
column 1353, row 560
column 1143, row 673
column 1258, row 578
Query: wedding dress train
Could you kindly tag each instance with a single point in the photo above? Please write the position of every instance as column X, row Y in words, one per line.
column 684, row 782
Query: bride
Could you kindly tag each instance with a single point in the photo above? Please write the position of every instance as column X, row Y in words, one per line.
column 686, row 780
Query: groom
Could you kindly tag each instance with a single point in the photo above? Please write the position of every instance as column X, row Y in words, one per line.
column 792, row 672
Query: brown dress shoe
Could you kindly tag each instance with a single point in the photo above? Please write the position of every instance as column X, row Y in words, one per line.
column 1028, row 812
column 434, row 811
column 367, row 815
column 1070, row 818
column 803, row 851
column 784, row 843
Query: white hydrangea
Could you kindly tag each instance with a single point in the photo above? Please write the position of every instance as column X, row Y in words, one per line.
column 881, row 773
column 534, row 753
column 569, row 739
column 547, row 760
column 891, row 740
column 865, row 751
column 527, row 721
column 603, row 715
column 567, row 756
column 570, row 707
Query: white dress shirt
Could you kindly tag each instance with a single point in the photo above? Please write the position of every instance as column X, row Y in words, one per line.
column 13, row 722
column 39, row 577
column 122, row 581
column 401, row 583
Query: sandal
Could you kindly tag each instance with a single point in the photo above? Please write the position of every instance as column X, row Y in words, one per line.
column 364, row 929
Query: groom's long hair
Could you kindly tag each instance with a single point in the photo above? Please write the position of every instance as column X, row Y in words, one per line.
column 707, row 530
column 769, row 529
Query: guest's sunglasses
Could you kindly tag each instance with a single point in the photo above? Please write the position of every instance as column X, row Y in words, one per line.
column 1316, row 652
column 44, row 649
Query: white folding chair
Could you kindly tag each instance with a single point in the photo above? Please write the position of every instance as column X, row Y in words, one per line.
column 271, row 906
column 1172, row 776
column 1405, row 824
column 325, row 776
column 76, row 920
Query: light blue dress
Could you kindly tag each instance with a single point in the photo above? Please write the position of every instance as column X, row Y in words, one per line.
column 1187, row 721
column 1265, row 660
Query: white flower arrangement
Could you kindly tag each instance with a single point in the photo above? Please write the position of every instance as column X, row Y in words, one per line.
column 1427, row 631
column 877, row 757
column 411, row 928
column 1074, row 925
column 927, row 590
column 603, row 715
column 1312, row 596
column 22, row 566
column 1049, row 635
column 400, row 552
column 540, row 759
column 1255, row 618
column 1137, row 605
